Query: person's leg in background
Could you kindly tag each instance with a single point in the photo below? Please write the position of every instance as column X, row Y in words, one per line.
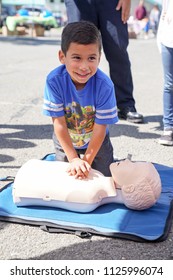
column 115, row 41
column 81, row 10
column 167, row 62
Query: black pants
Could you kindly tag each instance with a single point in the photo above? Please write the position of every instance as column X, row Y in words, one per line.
column 115, row 42
column 102, row 160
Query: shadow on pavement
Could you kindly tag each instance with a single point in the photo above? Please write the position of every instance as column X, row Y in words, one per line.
column 18, row 138
column 107, row 249
column 153, row 119
column 21, row 137
column 131, row 130
column 3, row 225
column 5, row 158
column 31, row 41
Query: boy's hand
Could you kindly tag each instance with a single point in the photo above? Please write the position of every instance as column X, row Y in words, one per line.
column 79, row 168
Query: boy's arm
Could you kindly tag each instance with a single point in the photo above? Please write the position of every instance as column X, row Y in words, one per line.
column 61, row 132
column 98, row 136
column 78, row 167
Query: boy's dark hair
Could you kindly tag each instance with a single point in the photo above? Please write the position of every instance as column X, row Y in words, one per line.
column 82, row 32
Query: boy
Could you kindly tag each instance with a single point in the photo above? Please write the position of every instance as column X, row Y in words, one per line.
column 80, row 98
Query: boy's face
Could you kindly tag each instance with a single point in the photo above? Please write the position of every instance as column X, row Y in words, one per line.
column 81, row 62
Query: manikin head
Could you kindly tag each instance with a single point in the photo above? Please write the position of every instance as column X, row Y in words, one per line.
column 139, row 182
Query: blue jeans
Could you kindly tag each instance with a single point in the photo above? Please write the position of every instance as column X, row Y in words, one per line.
column 102, row 160
column 167, row 61
column 115, row 42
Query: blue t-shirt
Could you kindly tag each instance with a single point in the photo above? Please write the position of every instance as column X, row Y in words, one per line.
column 95, row 103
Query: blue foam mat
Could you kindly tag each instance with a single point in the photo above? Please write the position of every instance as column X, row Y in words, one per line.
column 113, row 219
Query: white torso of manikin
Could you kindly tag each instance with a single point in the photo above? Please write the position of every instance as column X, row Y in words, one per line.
column 47, row 183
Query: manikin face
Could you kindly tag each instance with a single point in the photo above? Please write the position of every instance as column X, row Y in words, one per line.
column 127, row 172
column 81, row 62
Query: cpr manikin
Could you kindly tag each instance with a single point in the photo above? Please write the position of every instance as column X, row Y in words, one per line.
column 46, row 183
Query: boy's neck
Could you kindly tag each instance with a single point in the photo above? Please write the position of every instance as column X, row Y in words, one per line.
column 79, row 86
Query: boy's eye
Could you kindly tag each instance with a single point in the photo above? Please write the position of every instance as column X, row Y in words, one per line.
column 76, row 57
column 92, row 58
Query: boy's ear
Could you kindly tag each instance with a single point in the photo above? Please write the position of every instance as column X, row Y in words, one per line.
column 61, row 56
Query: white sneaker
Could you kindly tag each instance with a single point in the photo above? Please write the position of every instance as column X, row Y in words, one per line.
column 166, row 138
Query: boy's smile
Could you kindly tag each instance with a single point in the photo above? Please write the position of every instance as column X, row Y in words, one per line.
column 81, row 62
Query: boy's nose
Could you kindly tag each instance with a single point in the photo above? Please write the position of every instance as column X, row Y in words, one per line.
column 84, row 65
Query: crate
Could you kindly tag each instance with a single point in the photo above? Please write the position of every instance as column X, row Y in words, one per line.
column 38, row 30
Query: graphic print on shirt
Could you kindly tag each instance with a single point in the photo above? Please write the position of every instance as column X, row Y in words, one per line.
column 80, row 121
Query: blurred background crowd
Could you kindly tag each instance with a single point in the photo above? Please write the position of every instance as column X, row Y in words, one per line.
column 21, row 14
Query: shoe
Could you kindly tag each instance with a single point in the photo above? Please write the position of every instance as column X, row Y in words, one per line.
column 130, row 115
column 166, row 138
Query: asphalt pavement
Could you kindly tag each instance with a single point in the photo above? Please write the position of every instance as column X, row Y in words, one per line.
column 25, row 133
